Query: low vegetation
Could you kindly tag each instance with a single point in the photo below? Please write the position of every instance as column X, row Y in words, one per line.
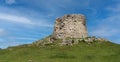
column 82, row 52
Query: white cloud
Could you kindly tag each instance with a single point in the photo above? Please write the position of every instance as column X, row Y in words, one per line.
column 107, row 27
column 24, row 20
column 111, row 20
column 10, row 1
column 105, row 32
column 114, row 9
column 9, row 43
column 22, row 38
column 14, row 18
column 43, row 23
column 2, row 40
column 117, row 41
column 2, row 32
column 56, row 6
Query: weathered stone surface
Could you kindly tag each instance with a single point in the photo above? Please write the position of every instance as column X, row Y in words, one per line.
column 66, row 42
column 72, row 25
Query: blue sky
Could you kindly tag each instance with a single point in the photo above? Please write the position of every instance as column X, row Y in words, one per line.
column 24, row 21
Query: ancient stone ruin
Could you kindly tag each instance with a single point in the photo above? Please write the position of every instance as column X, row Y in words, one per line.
column 68, row 30
column 71, row 25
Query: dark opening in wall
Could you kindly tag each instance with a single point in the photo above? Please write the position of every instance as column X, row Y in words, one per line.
column 75, row 21
column 72, row 41
column 60, row 28
column 59, row 35
column 58, row 20
column 68, row 15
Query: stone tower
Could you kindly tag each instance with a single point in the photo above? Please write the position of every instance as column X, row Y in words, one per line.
column 71, row 25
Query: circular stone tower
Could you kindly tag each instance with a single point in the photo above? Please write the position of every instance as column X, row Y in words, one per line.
column 71, row 25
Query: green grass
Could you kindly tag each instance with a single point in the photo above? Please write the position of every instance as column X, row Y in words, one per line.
column 83, row 52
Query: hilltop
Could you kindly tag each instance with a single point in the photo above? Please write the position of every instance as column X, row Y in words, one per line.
column 81, row 52
column 69, row 42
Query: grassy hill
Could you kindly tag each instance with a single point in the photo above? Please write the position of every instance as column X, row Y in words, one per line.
column 82, row 52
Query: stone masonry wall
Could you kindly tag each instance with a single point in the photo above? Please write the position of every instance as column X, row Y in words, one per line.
column 71, row 25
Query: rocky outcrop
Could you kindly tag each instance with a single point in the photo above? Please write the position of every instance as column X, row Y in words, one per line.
column 72, row 25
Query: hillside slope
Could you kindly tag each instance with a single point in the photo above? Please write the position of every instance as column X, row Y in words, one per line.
column 82, row 52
